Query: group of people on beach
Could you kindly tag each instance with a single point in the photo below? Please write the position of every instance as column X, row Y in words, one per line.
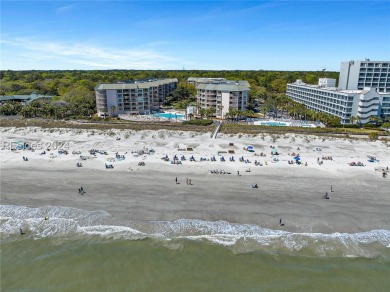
column 326, row 196
column 188, row 181
column 81, row 190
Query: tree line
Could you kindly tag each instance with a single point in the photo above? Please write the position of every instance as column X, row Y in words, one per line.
column 73, row 90
column 61, row 82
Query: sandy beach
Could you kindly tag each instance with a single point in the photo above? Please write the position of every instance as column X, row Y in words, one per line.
column 134, row 194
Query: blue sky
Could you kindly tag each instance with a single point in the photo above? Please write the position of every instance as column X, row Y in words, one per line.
column 219, row 35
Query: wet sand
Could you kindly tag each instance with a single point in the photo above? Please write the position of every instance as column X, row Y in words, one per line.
column 360, row 201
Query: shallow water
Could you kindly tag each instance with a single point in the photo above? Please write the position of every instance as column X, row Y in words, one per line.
column 99, row 264
column 77, row 250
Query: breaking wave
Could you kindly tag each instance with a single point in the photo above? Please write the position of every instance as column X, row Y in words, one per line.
column 72, row 223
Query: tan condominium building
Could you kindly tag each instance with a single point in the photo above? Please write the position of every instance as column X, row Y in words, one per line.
column 220, row 94
column 134, row 97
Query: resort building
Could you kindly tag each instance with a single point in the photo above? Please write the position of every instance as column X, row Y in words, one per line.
column 220, row 94
column 361, row 74
column 25, row 99
column 135, row 97
column 191, row 110
column 356, row 95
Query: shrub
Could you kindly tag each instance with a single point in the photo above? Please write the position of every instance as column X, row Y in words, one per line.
column 198, row 122
column 351, row 126
column 373, row 136
column 370, row 126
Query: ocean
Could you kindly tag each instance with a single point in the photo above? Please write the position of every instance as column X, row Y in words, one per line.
column 77, row 250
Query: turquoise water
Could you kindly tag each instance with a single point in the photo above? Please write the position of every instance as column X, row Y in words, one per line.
column 76, row 250
column 282, row 124
column 169, row 115
column 273, row 124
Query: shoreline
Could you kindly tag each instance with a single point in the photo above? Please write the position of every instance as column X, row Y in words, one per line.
column 143, row 197
column 135, row 194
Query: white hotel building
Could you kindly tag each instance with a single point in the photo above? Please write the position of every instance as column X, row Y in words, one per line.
column 360, row 74
column 360, row 93
column 137, row 97
column 221, row 94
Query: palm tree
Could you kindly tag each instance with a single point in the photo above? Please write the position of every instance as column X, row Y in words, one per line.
column 202, row 112
column 232, row 113
column 376, row 120
column 352, row 119
column 358, row 120
column 263, row 111
column 113, row 109
column 220, row 108
column 209, row 112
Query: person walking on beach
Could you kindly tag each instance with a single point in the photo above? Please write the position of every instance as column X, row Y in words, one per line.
column 280, row 222
column 187, row 181
column 190, row 182
column 331, row 188
column 176, row 180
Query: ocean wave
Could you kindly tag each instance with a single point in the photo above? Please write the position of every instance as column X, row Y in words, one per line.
column 72, row 223
column 248, row 237
column 63, row 222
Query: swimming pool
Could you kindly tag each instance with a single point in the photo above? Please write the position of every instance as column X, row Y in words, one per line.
column 170, row 116
column 272, row 123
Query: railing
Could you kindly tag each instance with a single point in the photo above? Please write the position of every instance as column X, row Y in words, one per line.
column 218, row 125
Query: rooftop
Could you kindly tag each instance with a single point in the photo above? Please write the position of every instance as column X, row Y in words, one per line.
column 30, row 97
column 220, row 84
column 333, row 89
column 144, row 83
column 224, row 86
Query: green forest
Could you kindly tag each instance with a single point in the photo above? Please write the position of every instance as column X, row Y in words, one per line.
column 74, row 95
column 68, row 83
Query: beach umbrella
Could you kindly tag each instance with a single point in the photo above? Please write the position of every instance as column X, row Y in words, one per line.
column 297, row 158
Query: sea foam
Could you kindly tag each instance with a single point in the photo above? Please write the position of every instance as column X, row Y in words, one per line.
column 72, row 223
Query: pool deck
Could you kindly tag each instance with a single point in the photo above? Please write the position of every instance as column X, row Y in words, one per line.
column 287, row 123
column 149, row 118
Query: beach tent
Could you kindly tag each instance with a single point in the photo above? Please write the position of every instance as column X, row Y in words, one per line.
column 20, row 145
column 250, row 148
column 275, row 151
column 297, row 158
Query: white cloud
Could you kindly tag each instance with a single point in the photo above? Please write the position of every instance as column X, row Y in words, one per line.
column 89, row 56
column 67, row 8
